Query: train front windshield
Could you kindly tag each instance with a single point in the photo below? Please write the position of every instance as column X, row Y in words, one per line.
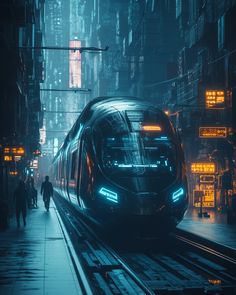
column 138, row 153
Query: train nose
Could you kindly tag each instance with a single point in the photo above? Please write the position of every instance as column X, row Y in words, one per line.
column 147, row 195
column 147, row 203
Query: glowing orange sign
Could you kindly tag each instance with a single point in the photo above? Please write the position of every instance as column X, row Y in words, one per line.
column 151, row 128
column 203, row 168
column 207, row 178
column 215, row 99
column 6, row 150
column 13, row 173
column 18, row 151
column 215, row 282
column 8, row 158
column 204, row 198
column 212, row 132
column 206, row 186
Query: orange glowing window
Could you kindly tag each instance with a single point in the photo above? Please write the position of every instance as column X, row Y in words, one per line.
column 20, row 151
column 151, row 128
column 8, row 158
column 14, row 150
column 6, row 150
column 215, row 282
column 13, row 173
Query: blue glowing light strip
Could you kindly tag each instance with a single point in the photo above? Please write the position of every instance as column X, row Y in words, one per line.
column 177, row 194
column 161, row 138
column 79, row 131
column 111, row 196
column 137, row 165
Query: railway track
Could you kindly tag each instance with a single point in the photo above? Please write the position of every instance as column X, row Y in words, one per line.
column 179, row 265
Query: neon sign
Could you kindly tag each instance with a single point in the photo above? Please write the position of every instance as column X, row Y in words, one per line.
column 212, row 132
column 203, row 168
column 215, row 99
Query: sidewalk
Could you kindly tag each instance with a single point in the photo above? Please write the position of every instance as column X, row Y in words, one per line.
column 35, row 259
column 214, row 228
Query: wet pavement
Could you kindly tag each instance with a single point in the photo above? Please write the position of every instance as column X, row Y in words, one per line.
column 35, row 259
column 214, row 227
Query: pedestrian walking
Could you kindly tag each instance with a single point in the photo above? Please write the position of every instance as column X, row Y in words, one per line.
column 34, row 195
column 28, row 185
column 47, row 192
column 21, row 198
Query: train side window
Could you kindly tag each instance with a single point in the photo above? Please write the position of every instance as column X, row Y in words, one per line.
column 73, row 165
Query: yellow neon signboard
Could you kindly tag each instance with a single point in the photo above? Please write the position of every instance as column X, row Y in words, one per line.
column 206, row 186
column 8, row 158
column 204, row 198
column 6, row 150
column 203, row 168
column 215, row 99
column 212, row 132
column 16, row 151
column 207, row 178
column 13, row 173
column 151, row 128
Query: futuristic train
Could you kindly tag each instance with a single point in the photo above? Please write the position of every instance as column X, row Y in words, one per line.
column 122, row 162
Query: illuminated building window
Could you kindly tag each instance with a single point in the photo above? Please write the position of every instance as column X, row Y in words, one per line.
column 8, row 158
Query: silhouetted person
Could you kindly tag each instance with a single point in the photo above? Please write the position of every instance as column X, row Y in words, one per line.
column 47, row 192
column 33, row 194
column 35, row 197
column 28, row 185
column 21, row 198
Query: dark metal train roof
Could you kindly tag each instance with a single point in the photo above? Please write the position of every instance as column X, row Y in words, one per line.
column 119, row 101
column 116, row 103
column 108, row 104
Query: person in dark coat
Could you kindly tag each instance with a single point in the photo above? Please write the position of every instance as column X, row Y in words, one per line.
column 21, row 197
column 28, row 188
column 47, row 192
column 33, row 194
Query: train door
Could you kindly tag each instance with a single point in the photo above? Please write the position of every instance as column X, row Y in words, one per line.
column 85, row 187
column 73, row 175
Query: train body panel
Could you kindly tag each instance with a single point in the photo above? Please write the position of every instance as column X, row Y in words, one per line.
column 122, row 160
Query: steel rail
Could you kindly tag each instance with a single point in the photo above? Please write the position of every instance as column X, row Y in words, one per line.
column 205, row 249
column 120, row 261
column 117, row 257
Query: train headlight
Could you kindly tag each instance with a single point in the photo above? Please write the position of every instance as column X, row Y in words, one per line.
column 177, row 194
column 110, row 195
